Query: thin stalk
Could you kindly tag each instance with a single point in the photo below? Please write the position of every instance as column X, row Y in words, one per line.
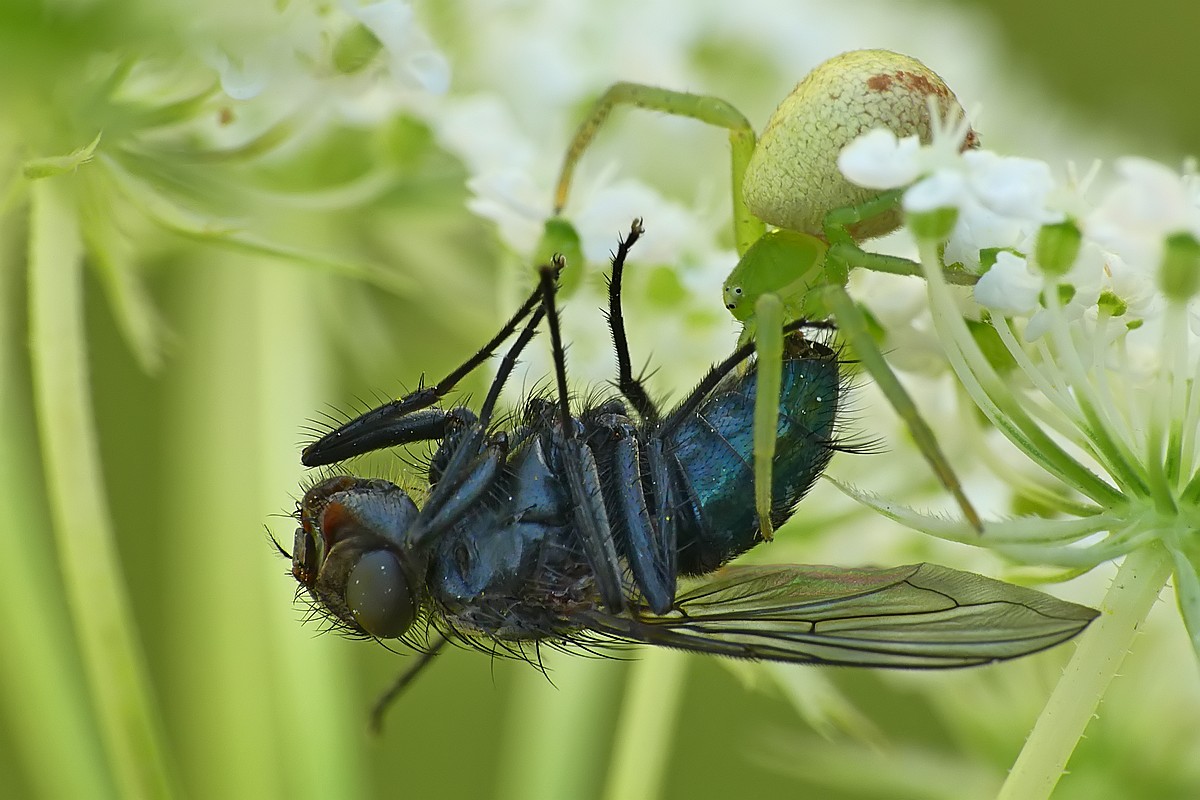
column 79, row 509
column 645, row 731
column 553, row 745
column 992, row 397
column 1073, row 703
column 285, row 395
column 41, row 678
column 1109, row 450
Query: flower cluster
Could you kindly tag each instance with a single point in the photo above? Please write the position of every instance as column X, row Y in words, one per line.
column 1092, row 299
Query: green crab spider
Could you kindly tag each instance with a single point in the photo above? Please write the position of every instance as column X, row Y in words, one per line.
column 788, row 178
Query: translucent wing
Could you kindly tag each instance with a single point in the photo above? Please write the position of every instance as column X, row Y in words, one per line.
column 916, row 616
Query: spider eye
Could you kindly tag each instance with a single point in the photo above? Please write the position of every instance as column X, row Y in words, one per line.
column 378, row 595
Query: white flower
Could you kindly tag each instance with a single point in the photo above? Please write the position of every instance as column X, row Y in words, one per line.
column 1098, row 386
column 1001, row 201
column 284, row 58
column 1082, row 284
column 1150, row 203
column 878, row 160
column 1009, row 287
column 1010, row 186
column 413, row 58
column 942, row 189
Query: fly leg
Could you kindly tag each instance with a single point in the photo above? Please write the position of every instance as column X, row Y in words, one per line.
column 408, row 676
column 630, row 386
column 650, row 541
column 578, row 466
column 398, row 422
column 477, row 458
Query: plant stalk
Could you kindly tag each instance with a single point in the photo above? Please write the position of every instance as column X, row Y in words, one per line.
column 1073, row 703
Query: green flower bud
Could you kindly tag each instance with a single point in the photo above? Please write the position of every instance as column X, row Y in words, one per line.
column 1112, row 305
column 355, row 50
column 936, row 225
column 559, row 237
column 1179, row 276
column 1058, row 247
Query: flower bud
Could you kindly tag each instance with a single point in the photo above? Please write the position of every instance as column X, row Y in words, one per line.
column 1179, row 276
column 936, row 224
column 1112, row 305
column 1058, row 247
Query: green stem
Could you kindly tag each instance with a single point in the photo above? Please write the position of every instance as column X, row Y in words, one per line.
column 88, row 559
column 648, row 716
column 1136, row 586
column 994, row 397
column 42, row 692
column 553, row 742
column 266, row 296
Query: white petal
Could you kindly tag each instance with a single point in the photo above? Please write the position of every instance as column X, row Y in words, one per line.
column 979, row 228
column 1150, row 203
column 1012, row 187
column 943, row 189
column 1009, row 286
column 1087, row 275
column 482, row 132
column 1038, row 324
column 244, row 80
column 430, row 70
column 414, row 59
column 877, row 160
column 511, row 200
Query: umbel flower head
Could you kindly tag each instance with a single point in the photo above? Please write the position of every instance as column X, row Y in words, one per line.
column 1086, row 351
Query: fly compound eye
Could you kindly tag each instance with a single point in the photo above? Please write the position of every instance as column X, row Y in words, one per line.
column 378, row 595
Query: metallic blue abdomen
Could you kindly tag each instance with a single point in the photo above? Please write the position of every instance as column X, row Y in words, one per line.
column 714, row 451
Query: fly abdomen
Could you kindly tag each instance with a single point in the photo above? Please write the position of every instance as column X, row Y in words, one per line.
column 714, row 456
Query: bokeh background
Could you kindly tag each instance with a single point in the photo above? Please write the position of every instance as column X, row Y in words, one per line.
column 337, row 260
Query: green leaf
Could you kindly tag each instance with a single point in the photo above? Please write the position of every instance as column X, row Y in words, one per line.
column 1187, row 591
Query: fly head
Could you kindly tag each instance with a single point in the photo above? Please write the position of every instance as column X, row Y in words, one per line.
column 352, row 555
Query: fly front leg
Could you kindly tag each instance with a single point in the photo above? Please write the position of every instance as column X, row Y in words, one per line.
column 467, row 474
column 577, row 464
column 403, row 421
column 631, row 387
column 472, row 472
column 651, row 541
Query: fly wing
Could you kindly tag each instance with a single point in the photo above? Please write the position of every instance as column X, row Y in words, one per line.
column 916, row 616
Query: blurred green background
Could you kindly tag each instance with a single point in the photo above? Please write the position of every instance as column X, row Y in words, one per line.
column 209, row 349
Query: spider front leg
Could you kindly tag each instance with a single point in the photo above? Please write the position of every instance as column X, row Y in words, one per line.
column 775, row 282
column 788, row 275
column 747, row 228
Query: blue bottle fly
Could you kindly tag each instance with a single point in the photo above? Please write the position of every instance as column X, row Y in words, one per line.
column 575, row 529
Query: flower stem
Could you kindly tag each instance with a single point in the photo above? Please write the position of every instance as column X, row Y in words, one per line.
column 1136, row 586
column 74, row 482
column 553, row 743
column 648, row 716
